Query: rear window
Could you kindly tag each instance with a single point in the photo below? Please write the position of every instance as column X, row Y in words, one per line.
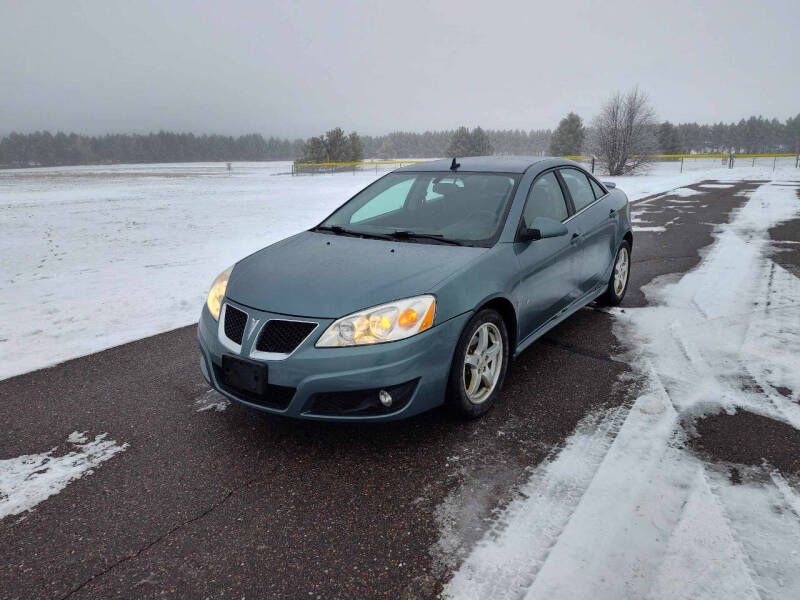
column 579, row 188
column 598, row 191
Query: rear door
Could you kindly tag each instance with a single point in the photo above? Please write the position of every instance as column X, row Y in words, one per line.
column 548, row 267
column 595, row 225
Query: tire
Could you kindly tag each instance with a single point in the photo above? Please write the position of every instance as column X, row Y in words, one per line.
column 614, row 293
column 473, row 404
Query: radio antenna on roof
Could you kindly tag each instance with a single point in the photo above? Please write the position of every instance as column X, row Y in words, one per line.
column 454, row 165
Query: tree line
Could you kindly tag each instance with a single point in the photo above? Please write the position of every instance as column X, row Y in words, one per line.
column 626, row 133
column 571, row 137
column 434, row 144
column 336, row 146
column 755, row 135
column 45, row 149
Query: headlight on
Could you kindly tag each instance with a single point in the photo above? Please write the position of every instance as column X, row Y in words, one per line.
column 384, row 323
column 217, row 293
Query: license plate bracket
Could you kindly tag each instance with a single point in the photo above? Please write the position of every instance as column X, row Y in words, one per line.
column 245, row 375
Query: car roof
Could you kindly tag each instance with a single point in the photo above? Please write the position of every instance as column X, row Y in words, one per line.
column 489, row 164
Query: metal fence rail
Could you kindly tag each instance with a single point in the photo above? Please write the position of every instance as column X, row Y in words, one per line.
column 729, row 160
column 309, row 168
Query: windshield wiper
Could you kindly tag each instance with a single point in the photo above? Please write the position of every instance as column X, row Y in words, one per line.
column 334, row 229
column 339, row 230
column 412, row 235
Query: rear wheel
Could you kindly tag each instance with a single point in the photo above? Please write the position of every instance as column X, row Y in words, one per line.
column 620, row 275
column 479, row 365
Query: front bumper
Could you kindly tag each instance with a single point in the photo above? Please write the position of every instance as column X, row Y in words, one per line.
column 310, row 372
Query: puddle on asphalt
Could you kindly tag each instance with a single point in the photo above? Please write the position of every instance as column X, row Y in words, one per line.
column 748, row 439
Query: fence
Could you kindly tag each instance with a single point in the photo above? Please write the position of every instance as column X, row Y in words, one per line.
column 686, row 161
column 300, row 168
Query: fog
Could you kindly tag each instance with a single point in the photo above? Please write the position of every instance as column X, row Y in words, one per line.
column 297, row 68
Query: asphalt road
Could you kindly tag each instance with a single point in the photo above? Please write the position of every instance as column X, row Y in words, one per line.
column 233, row 504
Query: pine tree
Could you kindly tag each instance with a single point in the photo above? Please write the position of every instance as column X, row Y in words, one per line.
column 314, row 150
column 668, row 140
column 460, row 143
column 481, row 146
column 336, row 145
column 567, row 139
column 466, row 143
column 793, row 134
column 355, row 149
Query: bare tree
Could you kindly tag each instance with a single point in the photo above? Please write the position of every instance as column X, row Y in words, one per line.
column 624, row 133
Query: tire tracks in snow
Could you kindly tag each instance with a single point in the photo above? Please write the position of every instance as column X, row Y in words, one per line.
column 625, row 511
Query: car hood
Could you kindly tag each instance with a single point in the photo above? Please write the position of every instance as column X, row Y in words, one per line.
column 328, row 276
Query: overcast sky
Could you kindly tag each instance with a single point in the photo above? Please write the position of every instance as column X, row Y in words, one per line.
column 297, row 68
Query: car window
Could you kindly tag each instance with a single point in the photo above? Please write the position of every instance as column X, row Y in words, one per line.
column 433, row 192
column 466, row 207
column 545, row 200
column 598, row 191
column 388, row 200
column 579, row 188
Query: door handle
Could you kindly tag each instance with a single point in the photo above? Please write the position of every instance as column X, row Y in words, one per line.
column 575, row 238
column 612, row 213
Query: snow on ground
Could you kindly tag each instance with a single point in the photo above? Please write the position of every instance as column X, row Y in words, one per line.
column 651, row 229
column 97, row 256
column 623, row 510
column 27, row 480
column 211, row 400
column 684, row 192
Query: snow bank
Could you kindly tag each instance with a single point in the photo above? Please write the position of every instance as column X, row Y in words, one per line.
column 638, row 516
column 27, row 480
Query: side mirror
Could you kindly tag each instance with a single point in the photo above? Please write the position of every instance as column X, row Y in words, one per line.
column 542, row 227
column 526, row 234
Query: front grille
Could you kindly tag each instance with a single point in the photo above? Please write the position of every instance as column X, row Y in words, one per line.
column 276, row 396
column 235, row 322
column 282, row 337
column 362, row 402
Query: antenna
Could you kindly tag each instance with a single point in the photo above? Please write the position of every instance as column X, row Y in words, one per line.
column 454, row 165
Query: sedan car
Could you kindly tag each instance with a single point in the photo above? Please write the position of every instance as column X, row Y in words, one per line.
column 417, row 291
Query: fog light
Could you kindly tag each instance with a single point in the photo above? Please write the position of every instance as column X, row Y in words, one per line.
column 385, row 398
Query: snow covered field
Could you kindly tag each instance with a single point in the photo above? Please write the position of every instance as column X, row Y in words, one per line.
column 93, row 257
column 97, row 256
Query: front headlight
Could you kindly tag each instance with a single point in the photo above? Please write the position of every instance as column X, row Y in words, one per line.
column 384, row 323
column 217, row 293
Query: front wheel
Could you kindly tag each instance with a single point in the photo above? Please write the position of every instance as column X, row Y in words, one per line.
column 479, row 365
column 620, row 275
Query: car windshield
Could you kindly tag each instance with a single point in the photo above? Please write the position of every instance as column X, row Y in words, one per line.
column 428, row 207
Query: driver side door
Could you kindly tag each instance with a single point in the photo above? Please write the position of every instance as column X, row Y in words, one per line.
column 548, row 269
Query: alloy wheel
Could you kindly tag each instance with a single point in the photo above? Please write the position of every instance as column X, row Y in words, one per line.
column 483, row 363
column 621, row 271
